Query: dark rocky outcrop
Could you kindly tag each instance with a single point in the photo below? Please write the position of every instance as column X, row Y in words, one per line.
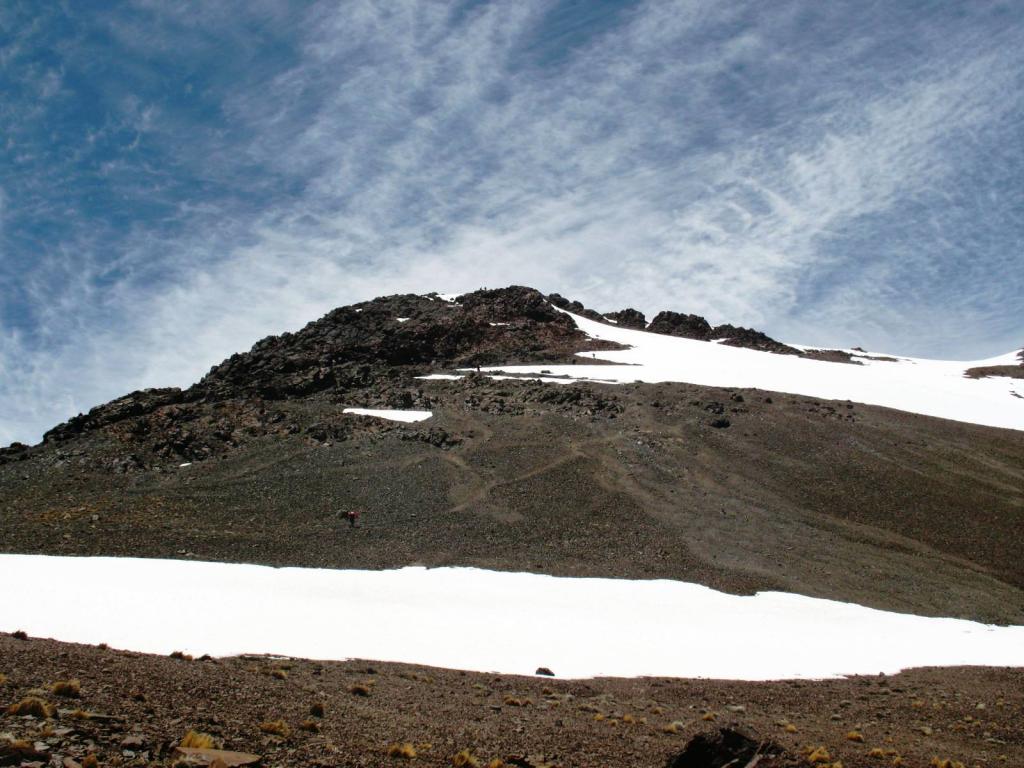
column 678, row 324
column 696, row 327
column 1010, row 371
column 628, row 318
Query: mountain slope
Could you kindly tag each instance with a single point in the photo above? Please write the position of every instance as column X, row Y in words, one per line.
column 738, row 489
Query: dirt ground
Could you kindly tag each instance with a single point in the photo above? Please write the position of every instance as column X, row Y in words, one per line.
column 133, row 709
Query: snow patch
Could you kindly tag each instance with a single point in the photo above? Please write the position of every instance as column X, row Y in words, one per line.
column 929, row 387
column 391, row 415
column 577, row 627
column 402, row 319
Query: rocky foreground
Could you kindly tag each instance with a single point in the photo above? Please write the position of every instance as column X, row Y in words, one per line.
column 128, row 709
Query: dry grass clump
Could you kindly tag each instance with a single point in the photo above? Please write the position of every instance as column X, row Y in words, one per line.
column 496, row 763
column 279, row 674
column 674, row 727
column 512, row 701
column 817, row 755
column 32, row 706
column 69, row 689
column 316, row 709
column 947, row 763
column 464, row 759
column 405, row 750
column 277, row 728
column 80, row 714
column 310, row 725
column 3, row 678
column 855, row 736
column 789, row 728
column 360, row 689
column 181, row 656
column 90, row 761
column 196, row 740
column 709, row 716
column 18, row 745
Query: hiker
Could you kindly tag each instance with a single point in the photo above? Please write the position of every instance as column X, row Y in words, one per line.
column 353, row 517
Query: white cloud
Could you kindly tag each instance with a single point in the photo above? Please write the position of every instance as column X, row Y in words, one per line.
column 433, row 156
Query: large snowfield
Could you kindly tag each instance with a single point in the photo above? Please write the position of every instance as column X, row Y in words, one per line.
column 466, row 618
column 928, row 387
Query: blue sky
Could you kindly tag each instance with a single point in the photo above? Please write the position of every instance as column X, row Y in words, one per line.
column 178, row 180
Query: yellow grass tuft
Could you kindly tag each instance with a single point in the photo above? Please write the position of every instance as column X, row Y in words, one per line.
column 405, row 751
column 674, row 727
column 19, row 745
column 196, row 740
column 512, row 701
column 876, row 752
column 496, row 763
column 310, row 725
column 3, row 678
column 598, row 717
column 32, row 706
column 947, row 763
column 181, row 655
column 855, row 736
column 464, row 759
column 80, row 714
column 818, row 755
column 90, row 761
column 279, row 674
column 897, row 762
column 70, row 689
column 709, row 716
column 790, row 728
column 277, row 728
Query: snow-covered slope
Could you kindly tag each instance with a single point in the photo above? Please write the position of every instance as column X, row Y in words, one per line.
column 457, row 617
column 929, row 387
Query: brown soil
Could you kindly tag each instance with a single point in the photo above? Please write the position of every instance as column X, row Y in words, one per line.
column 147, row 704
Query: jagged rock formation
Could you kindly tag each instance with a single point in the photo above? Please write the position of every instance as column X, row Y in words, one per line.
column 628, row 318
column 696, row 327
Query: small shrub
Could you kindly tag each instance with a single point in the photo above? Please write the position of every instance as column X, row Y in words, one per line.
column 90, row 761
column 405, row 751
column 181, row 656
column 277, row 728
column 360, row 689
column 32, row 706
column 69, row 689
column 316, row 709
column 465, row 759
column 196, row 740
column 19, row 634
